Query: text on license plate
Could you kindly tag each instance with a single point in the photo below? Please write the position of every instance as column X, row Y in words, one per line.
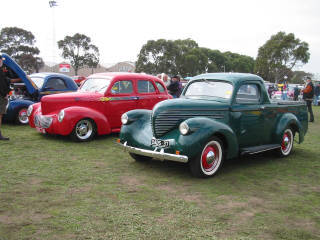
column 160, row 143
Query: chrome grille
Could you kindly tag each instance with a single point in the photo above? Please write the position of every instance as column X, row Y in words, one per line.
column 42, row 121
column 168, row 120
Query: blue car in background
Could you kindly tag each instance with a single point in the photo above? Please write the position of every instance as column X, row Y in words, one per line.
column 31, row 89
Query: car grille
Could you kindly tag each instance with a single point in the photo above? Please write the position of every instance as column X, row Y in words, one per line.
column 42, row 121
column 168, row 120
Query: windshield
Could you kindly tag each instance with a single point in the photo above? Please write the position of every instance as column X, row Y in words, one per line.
column 38, row 81
column 210, row 88
column 95, row 85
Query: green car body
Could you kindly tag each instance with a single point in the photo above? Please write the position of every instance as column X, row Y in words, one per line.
column 204, row 130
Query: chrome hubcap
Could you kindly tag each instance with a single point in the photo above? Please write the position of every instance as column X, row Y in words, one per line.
column 23, row 118
column 84, row 129
column 210, row 157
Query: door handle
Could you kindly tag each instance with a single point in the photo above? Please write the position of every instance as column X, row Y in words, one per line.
column 135, row 98
column 262, row 107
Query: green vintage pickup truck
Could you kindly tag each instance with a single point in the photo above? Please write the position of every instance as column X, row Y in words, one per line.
column 219, row 116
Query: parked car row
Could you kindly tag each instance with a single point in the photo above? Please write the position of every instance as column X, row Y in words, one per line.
column 219, row 116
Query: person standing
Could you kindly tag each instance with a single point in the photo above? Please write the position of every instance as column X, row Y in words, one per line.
column 308, row 93
column 174, row 87
column 5, row 81
column 296, row 93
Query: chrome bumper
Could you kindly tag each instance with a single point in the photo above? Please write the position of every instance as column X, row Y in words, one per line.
column 159, row 155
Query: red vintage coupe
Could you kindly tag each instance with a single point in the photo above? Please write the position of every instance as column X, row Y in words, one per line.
column 96, row 108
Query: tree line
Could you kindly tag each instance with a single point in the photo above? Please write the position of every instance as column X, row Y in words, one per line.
column 275, row 61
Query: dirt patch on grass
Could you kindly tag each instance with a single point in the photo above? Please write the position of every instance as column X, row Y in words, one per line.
column 181, row 192
column 35, row 181
column 132, row 183
column 78, row 190
column 24, row 219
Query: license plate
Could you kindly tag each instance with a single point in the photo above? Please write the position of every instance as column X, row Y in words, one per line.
column 41, row 130
column 160, row 143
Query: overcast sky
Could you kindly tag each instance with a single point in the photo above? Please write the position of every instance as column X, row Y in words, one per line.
column 119, row 28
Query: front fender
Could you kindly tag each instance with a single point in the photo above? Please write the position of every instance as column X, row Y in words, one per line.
column 138, row 131
column 75, row 114
column 202, row 129
column 15, row 106
column 288, row 120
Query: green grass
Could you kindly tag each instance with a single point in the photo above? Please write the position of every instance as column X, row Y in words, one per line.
column 53, row 188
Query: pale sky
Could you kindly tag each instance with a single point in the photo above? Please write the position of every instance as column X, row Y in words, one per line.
column 119, row 28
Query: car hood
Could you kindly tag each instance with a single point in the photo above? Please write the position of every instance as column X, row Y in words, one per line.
column 167, row 115
column 10, row 63
column 56, row 102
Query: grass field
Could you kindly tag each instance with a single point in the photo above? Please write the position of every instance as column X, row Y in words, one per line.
column 53, row 188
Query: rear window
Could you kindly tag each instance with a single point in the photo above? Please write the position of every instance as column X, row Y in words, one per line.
column 145, row 86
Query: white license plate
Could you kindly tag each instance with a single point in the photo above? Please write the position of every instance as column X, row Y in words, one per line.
column 41, row 130
column 160, row 143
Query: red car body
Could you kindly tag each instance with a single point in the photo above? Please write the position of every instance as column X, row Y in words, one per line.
column 96, row 108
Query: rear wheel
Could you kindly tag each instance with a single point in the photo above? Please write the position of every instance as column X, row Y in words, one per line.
column 286, row 143
column 210, row 159
column 22, row 117
column 140, row 158
column 85, row 130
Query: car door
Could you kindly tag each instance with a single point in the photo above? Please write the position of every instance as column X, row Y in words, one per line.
column 247, row 115
column 121, row 98
column 147, row 93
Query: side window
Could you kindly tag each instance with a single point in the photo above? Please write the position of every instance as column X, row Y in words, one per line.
column 122, row 87
column 145, row 86
column 160, row 87
column 55, row 84
column 248, row 93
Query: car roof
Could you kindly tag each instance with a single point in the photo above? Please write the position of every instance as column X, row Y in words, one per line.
column 123, row 74
column 230, row 77
column 45, row 74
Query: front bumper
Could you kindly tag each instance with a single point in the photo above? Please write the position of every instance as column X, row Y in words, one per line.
column 159, row 155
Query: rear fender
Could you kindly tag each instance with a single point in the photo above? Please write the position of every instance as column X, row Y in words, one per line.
column 75, row 114
column 202, row 129
column 288, row 120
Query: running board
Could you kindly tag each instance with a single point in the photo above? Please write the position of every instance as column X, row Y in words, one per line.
column 258, row 149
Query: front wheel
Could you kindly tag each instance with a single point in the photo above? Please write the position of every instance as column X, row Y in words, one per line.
column 210, row 159
column 85, row 130
column 22, row 117
column 286, row 143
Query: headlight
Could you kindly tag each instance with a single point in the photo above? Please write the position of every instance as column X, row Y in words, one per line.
column 184, row 128
column 61, row 116
column 124, row 119
column 30, row 109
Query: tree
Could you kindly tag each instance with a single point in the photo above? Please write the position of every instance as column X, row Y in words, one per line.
column 186, row 58
column 19, row 44
column 279, row 55
column 79, row 50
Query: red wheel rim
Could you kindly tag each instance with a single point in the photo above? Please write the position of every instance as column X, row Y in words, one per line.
column 209, row 158
column 23, row 117
column 286, row 141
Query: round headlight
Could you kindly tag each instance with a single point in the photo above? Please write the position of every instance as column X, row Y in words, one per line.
column 29, row 111
column 61, row 116
column 124, row 119
column 184, row 128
